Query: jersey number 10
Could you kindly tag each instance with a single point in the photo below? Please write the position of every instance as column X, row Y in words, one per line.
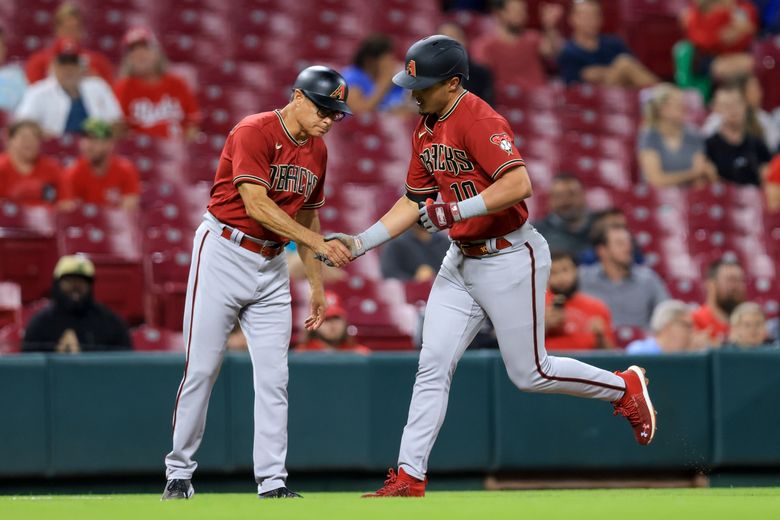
column 464, row 190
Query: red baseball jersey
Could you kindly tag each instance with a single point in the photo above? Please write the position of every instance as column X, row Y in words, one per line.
column 459, row 155
column 84, row 184
column 160, row 108
column 261, row 150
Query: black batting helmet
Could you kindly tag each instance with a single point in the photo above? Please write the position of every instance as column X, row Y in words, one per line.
column 325, row 87
column 431, row 60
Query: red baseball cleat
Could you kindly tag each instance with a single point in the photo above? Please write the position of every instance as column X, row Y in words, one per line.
column 635, row 405
column 400, row 485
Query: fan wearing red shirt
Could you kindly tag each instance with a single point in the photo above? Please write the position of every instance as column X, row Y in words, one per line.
column 98, row 176
column 155, row 102
column 68, row 23
column 726, row 289
column 26, row 176
column 333, row 335
column 722, row 32
column 575, row 320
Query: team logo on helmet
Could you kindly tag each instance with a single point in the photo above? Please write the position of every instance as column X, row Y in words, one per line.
column 503, row 141
column 338, row 93
column 411, row 68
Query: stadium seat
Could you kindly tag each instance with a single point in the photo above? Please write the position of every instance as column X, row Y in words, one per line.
column 147, row 338
column 10, row 304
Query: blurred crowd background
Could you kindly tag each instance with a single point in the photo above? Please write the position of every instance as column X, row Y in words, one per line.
column 650, row 129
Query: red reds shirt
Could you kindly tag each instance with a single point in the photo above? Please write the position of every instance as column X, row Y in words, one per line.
column 97, row 64
column 40, row 186
column 577, row 333
column 261, row 150
column 704, row 27
column 83, row 183
column 705, row 319
column 160, row 108
column 459, row 155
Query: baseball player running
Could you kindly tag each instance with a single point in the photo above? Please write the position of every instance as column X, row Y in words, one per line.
column 497, row 266
column 268, row 186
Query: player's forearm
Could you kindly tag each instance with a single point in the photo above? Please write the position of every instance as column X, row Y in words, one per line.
column 401, row 216
column 513, row 187
column 311, row 266
column 262, row 209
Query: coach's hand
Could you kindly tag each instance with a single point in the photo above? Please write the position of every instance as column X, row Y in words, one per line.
column 318, row 306
column 435, row 217
column 353, row 243
column 332, row 252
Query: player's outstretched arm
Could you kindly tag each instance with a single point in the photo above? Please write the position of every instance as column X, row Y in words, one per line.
column 309, row 219
column 266, row 212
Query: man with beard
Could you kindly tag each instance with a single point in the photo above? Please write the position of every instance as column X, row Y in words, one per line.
column 575, row 321
column 726, row 289
column 74, row 321
column 630, row 291
column 568, row 224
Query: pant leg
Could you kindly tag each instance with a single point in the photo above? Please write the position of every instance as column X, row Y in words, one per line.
column 267, row 323
column 452, row 319
column 210, row 312
column 511, row 289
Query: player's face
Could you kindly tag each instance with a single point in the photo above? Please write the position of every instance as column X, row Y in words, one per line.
column 26, row 143
column 436, row 98
column 316, row 121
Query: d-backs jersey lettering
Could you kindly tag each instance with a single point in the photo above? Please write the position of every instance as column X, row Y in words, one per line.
column 459, row 155
column 261, row 150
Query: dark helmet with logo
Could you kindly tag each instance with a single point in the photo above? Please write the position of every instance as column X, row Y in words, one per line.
column 431, row 60
column 325, row 87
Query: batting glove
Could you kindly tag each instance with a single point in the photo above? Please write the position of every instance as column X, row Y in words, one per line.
column 354, row 244
column 435, row 217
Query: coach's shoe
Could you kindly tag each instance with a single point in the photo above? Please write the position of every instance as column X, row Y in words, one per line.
column 400, row 485
column 281, row 492
column 177, row 489
column 635, row 405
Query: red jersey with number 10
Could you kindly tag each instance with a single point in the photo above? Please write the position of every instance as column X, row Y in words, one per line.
column 459, row 155
column 261, row 150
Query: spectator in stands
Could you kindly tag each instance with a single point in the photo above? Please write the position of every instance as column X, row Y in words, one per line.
column 567, row 226
column 592, row 57
column 155, row 102
column 772, row 185
column 721, row 32
column 480, row 80
column 27, row 176
column 415, row 255
column 671, row 154
column 671, row 328
column 748, row 327
column 726, row 289
column 62, row 102
column 630, row 291
column 573, row 320
column 68, row 24
column 13, row 82
column 370, row 78
column 334, row 334
column 760, row 123
column 769, row 15
column 516, row 54
column 99, row 176
column 74, row 321
column 610, row 217
column 739, row 157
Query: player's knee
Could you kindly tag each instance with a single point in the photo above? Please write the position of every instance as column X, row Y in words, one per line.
column 523, row 378
column 433, row 368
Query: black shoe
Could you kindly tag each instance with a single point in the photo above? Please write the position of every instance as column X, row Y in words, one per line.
column 178, row 489
column 281, row 492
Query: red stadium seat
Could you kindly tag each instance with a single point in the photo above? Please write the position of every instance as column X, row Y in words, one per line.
column 10, row 304
column 147, row 338
column 625, row 334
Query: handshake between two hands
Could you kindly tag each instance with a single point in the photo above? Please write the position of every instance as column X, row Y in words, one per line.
column 433, row 216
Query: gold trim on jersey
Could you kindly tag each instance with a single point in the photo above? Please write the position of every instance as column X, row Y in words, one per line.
column 286, row 131
column 421, row 190
column 314, row 205
column 506, row 165
column 454, row 106
column 245, row 177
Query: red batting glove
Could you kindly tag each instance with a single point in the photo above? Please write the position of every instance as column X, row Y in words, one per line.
column 435, row 217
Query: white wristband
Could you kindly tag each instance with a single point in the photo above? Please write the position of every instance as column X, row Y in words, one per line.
column 374, row 236
column 472, row 207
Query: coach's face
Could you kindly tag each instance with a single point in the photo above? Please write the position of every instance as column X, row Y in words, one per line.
column 314, row 121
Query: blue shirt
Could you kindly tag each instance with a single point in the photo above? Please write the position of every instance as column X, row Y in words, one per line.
column 574, row 58
column 644, row 346
column 356, row 77
column 76, row 116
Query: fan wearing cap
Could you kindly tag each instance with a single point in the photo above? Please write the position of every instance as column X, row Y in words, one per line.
column 27, row 176
column 267, row 191
column 63, row 101
column 99, row 176
column 73, row 321
column 155, row 102
column 334, row 333
column 68, row 24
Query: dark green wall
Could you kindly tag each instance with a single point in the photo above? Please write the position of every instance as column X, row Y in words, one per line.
column 96, row 414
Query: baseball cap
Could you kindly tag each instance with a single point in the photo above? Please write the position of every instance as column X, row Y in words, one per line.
column 66, row 50
column 97, row 128
column 335, row 309
column 76, row 265
column 136, row 35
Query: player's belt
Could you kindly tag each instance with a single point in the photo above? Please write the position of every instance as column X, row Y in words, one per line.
column 481, row 248
column 266, row 249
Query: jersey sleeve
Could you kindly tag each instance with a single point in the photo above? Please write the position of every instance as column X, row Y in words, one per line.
column 490, row 142
column 251, row 156
column 418, row 180
column 317, row 197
